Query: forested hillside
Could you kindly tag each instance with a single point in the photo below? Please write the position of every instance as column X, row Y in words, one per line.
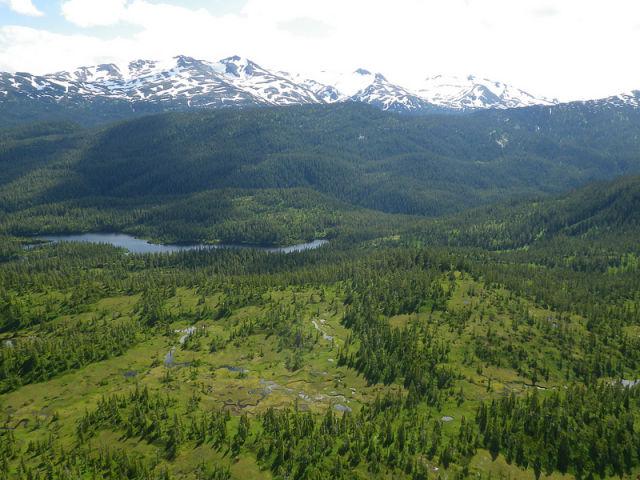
column 133, row 174
column 17, row 111
column 596, row 212
column 474, row 314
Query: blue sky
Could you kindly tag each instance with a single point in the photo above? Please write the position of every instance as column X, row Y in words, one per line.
column 567, row 49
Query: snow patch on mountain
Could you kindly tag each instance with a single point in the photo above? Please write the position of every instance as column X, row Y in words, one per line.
column 361, row 85
column 325, row 93
column 270, row 88
column 185, row 82
column 630, row 98
column 471, row 92
column 347, row 84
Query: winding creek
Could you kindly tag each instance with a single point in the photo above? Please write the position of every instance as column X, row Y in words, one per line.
column 137, row 245
column 267, row 387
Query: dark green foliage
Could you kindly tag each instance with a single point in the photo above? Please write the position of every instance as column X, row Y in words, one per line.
column 386, row 354
column 18, row 110
column 587, row 431
column 228, row 175
column 397, row 435
column 609, row 211
column 63, row 348
column 552, row 285
column 385, row 437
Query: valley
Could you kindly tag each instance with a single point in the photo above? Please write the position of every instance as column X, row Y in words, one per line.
column 322, row 292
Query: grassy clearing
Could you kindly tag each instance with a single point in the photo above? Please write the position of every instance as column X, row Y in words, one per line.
column 244, row 370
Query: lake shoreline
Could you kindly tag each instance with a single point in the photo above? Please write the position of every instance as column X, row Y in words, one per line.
column 141, row 246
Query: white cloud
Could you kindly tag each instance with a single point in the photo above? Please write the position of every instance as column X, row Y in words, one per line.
column 305, row 27
column 44, row 52
column 23, row 7
column 92, row 13
column 569, row 49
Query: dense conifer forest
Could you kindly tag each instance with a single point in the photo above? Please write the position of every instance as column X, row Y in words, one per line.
column 474, row 314
column 320, row 168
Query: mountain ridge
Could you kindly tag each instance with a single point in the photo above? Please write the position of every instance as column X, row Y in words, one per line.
column 238, row 81
column 105, row 93
column 471, row 92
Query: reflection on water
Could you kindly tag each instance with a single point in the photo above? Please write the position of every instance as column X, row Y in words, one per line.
column 137, row 245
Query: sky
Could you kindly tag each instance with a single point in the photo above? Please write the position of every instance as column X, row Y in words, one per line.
column 564, row 49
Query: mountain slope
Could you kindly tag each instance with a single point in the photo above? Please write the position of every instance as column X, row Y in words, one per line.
column 105, row 92
column 625, row 99
column 472, row 93
column 356, row 154
column 265, row 86
column 363, row 86
column 387, row 96
column 608, row 211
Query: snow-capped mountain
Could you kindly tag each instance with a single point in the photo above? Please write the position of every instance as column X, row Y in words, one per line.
column 388, row 96
column 324, row 92
column 362, row 86
column 472, row 93
column 184, row 82
column 232, row 81
column 179, row 81
column 270, row 88
column 631, row 99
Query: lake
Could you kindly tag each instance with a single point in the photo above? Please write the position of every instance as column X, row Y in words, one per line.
column 137, row 245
